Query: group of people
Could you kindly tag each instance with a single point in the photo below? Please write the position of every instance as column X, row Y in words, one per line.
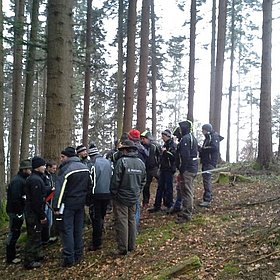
column 54, row 203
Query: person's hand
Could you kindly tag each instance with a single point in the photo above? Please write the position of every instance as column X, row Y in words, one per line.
column 163, row 149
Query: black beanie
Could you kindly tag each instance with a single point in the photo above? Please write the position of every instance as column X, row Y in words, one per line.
column 37, row 162
column 69, row 152
column 167, row 133
column 81, row 148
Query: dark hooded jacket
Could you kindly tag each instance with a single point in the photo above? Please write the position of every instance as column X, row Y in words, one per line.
column 210, row 150
column 187, row 150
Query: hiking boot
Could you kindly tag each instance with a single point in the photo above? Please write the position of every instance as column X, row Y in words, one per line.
column 173, row 210
column 153, row 210
column 204, row 204
column 32, row 265
column 14, row 261
column 95, row 248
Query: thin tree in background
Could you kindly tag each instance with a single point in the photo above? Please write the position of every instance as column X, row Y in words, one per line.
column 59, row 78
column 120, row 70
column 216, row 122
column 2, row 152
column 17, row 86
column 265, row 134
column 130, row 66
column 30, row 74
column 154, row 69
column 232, row 48
column 87, row 73
column 192, row 61
column 213, row 61
column 143, row 68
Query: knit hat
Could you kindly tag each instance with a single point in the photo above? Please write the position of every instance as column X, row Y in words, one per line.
column 69, row 152
column 93, row 151
column 207, row 127
column 127, row 144
column 25, row 164
column 166, row 132
column 37, row 162
column 81, row 148
column 134, row 134
column 146, row 134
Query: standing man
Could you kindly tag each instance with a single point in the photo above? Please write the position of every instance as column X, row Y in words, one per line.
column 152, row 164
column 82, row 154
column 99, row 198
column 167, row 170
column 34, row 212
column 186, row 162
column 209, row 154
column 71, row 189
column 128, row 180
column 15, row 208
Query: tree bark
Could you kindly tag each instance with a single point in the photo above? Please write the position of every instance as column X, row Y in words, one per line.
column 265, row 134
column 220, row 64
column 120, row 71
column 143, row 68
column 87, row 74
column 130, row 66
column 27, row 108
column 17, row 86
column 59, row 79
column 192, row 61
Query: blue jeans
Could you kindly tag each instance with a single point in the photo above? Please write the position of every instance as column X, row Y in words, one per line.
column 178, row 201
column 207, row 184
column 138, row 213
column 164, row 189
column 72, row 235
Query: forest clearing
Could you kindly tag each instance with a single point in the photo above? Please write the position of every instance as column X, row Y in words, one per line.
column 238, row 237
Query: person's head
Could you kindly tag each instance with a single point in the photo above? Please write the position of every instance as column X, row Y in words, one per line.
column 134, row 135
column 25, row 166
column 93, row 151
column 146, row 137
column 177, row 133
column 38, row 164
column 166, row 135
column 51, row 167
column 127, row 146
column 186, row 127
column 82, row 151
column 207, row 128
column 67, row 153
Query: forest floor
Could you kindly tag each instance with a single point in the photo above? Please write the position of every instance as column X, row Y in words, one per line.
column 238, row 237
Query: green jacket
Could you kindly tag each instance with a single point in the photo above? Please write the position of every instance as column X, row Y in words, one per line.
column 128, row 179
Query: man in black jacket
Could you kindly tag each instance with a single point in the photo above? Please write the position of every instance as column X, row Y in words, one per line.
column 152, row 163
column 15, row 208
column 34, row 212
column 187, row 164
column 209, row 154
column 167, row 169
column 72, row 187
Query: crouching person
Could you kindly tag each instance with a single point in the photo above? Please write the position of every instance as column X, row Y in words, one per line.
column 72, row 186
column 129, row 178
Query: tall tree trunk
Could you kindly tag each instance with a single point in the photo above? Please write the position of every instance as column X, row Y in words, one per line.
column 60, row 78
column 232, row 48
column 130, row 66
column 213, row 60
column 192, row 60
column 27, row 109
column 120, row 71
column 17, row 86
column 265, row 134
column 154, row 70
column 220, row 64
column 87, row 73
column 143, row 68
column 2, row 152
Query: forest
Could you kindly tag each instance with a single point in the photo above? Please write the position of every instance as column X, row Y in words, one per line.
column 79, row 71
